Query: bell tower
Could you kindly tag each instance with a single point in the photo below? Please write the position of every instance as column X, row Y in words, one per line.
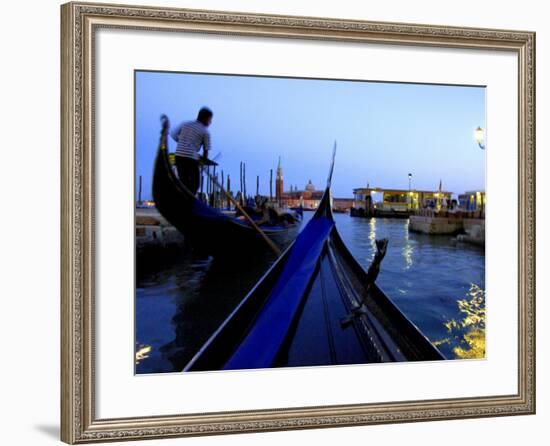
column 279, row 183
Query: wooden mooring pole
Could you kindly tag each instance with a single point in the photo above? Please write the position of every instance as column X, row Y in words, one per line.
column 272, row 245
column 270, row 184
column 228, row 191
column 222, row 183
column 241, row 180
column 244, row 181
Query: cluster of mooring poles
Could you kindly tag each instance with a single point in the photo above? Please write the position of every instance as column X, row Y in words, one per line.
column 212, row 184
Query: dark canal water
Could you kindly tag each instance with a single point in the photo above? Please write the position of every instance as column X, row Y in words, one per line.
column 437, row 283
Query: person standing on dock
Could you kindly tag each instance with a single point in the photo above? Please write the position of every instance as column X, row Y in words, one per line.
column 191, row 136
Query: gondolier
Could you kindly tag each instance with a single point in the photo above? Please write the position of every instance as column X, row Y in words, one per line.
column 207, row 229
column 191, row 136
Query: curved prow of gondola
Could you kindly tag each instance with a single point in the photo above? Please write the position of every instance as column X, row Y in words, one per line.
column 164, row 132
column 325, row 205
column 293, row 315
column 163, row 164
column 172, row 199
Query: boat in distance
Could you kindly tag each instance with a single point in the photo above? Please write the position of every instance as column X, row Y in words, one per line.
column 207, row 229
column 315, row 306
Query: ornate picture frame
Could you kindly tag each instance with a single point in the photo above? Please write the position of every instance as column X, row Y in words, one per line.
column 80, row 21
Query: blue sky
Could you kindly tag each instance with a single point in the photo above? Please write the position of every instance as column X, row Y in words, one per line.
column 383, row 130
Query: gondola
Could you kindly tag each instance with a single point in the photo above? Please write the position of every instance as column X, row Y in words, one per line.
column 207, row 229
column 315, row 306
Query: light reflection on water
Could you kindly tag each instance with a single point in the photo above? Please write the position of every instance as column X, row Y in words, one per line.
column 408, row 251
column 467, row 334
column 437, row 284
column 142, row 353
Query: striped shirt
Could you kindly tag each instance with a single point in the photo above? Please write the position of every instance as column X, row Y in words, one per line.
column 190, row 137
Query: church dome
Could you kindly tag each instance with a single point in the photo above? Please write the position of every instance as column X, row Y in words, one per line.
column 310, row 187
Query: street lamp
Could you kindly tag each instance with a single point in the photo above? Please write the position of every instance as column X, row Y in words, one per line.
column 480, row 138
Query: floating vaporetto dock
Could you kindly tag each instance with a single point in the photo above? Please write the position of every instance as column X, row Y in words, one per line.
column 470, row 226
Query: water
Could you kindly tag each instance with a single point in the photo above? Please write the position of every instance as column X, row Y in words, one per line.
column 436, row 282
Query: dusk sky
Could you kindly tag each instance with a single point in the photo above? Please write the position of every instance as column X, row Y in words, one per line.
column 383, row 130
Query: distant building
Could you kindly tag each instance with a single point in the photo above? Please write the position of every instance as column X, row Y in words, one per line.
column 308, row 197
column 472, row 201
column 400, row 200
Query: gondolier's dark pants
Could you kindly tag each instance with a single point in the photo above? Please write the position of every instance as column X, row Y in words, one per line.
column 188, row 172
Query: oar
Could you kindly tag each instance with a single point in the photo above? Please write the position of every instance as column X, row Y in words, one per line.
column 272, row 245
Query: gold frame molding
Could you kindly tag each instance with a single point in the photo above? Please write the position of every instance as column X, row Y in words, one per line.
column 78, row 23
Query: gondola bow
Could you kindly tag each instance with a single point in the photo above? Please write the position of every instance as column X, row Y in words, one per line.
column 315, row 306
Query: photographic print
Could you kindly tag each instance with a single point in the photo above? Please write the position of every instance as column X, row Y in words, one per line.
column 284, row 222
column 234, row 218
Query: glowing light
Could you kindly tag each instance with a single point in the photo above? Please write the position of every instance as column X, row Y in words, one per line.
column 143, row 353
column 480, row 137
